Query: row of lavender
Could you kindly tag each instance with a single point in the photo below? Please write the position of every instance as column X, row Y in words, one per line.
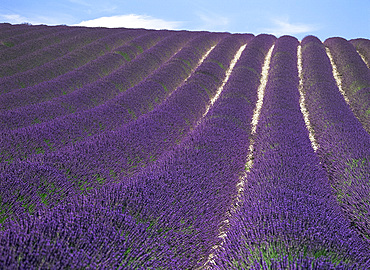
column 122, row 109
column 362, row 45
column 355, row 76
column 65, row 85
column 289, row 218
column 151, row 235
column 87, row 47
column 96, row 160
column 67, row 41
column 344, row 143
column 168, row 182
column 59, row 102
column 22, row 40
column 19, row 33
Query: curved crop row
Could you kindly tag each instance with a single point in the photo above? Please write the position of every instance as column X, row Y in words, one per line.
column 355, row 77
column 23, row 33
column 344, row 144
column 67, row 63
column 18, row 29
column 31, row 187
column 51, row 36
column 158, row 149
column 94, row 70
column 95, row 93
column 254, row 54
column 15, row 36
column 128, row 149
column 185, row 194
column 362, row 46
column 85, row 171
column 124, row 108
column 75, row 40
column 288, row 218
column 8, row 30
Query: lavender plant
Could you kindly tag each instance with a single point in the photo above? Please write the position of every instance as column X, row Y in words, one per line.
column 92, row 94
column 344, row 144
column 78, row 76
column 355, row 77
column 50, row 136
column 52, row 71
column 158, row 149
column 362, row 45
column 288, row 218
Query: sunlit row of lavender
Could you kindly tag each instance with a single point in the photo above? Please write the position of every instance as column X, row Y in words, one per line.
column 157, row 149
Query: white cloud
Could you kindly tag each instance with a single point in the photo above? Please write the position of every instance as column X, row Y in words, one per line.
column 18, row 19
column 212, row 22
column 131, row 21
column 14, row 19
column 283, row 27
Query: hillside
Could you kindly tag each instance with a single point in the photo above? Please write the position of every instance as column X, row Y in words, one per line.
column 157, row 149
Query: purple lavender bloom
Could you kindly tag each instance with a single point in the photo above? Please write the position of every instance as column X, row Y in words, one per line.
column 124, row 108
column 289, row 217
column 66, row 83
column 355, row 77
column 90, row 46
column 92, row 94
column 136, row 151
column 26, row 39
column 344, row 144
column 362, row 45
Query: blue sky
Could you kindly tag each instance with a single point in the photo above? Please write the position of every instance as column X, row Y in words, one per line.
column 322, row 18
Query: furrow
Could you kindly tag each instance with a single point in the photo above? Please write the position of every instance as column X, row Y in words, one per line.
column 287, row 214
column 355, row 78
column 344, row 144
column 121, row 110
column 362, row 46
column 228, row 72
column 201, row 61
column 128, row 149
column 91, row 95
column 302, row 101
column 364, row 59
column 31, row 45
column 59, row 69
column 336, row 75
column 225, row 224
column 97, row 68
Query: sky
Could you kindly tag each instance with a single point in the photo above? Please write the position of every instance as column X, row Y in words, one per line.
column 322, row 18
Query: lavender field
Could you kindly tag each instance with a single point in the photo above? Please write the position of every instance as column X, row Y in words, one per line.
column 157, row 149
